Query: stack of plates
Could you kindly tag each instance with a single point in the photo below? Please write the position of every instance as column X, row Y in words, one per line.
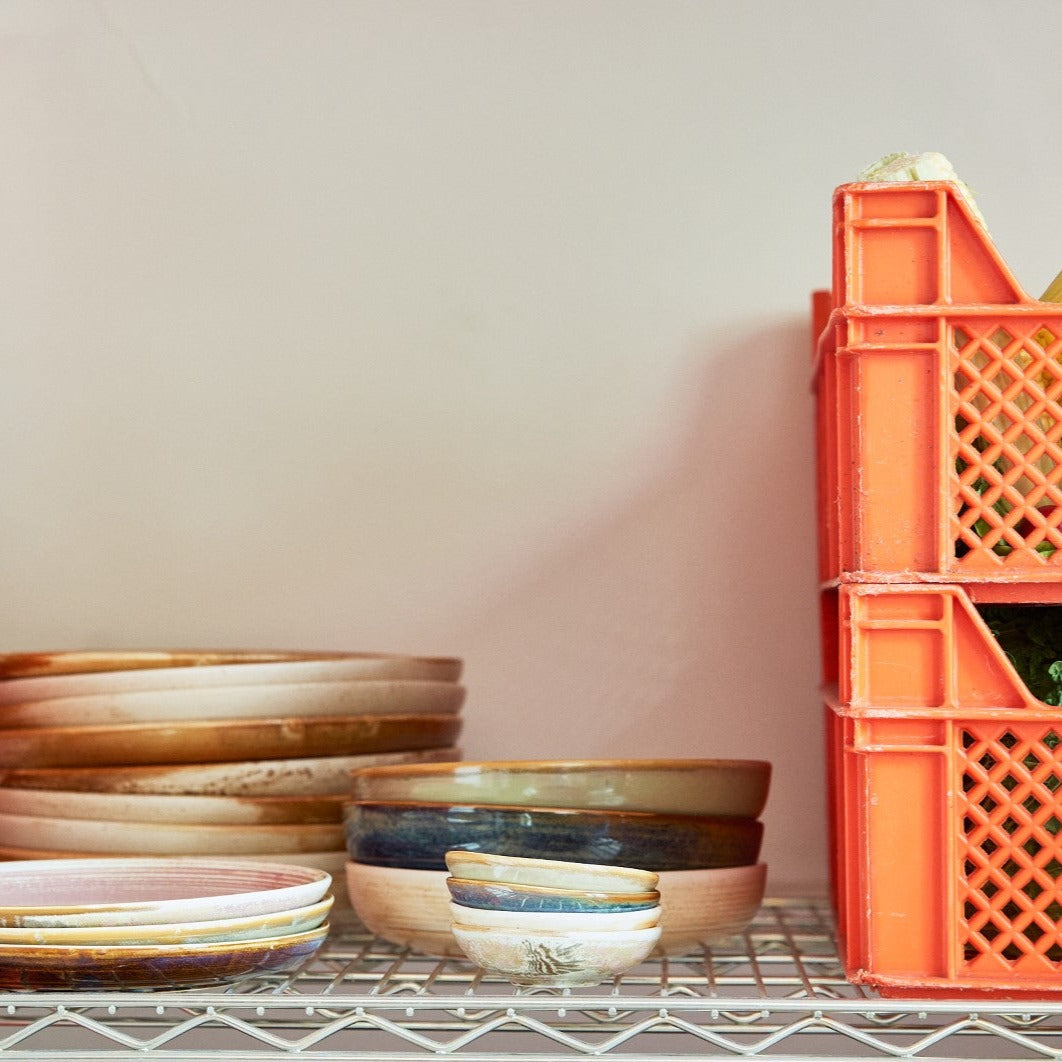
column 207, row 753
column 155, row 923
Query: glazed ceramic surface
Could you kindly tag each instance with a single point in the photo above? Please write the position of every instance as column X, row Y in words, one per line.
column 525, row 870
column 702, row 907
column 698, row 907
column 319, row 699
column 252, row 927
column 419, row 835
column 165, row 838
column 503, row 896
column 410, row 908
column 92, row 661
column 556, row 921
column 681, row 787
column 168, row 808
column 346, row 669
column 203, row 741
column 137, row 891
column 56, row 967
column 298, row 776
column 557, row 959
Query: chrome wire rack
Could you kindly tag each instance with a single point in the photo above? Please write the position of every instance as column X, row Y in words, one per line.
column 777, row 991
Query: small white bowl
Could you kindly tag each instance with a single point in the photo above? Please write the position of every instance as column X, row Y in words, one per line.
column 552, row 873
column 562, row 960
column 556, row 922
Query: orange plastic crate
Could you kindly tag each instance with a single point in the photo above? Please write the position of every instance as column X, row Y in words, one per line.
column 945, row 794
column 939, row 401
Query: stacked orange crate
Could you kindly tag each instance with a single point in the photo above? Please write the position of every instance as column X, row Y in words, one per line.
column 939, row 416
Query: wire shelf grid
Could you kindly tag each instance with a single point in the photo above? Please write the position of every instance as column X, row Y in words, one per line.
column 777, row 991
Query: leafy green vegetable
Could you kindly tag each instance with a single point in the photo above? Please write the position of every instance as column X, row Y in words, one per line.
column 1031, row 636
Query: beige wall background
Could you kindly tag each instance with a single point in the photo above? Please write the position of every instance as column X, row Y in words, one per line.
column 468, row 327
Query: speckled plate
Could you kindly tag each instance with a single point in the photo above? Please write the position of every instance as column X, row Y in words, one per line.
column 54, row 967
column 298, row 776
column 135, row 891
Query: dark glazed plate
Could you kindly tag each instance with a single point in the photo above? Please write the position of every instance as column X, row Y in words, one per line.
column 43, row 967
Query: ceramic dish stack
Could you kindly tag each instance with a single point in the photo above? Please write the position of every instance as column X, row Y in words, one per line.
column 695, row 823
column 551, row 923
column 207, row 753
column 132, row 924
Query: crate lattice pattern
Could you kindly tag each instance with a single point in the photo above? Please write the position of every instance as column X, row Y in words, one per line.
column 1007, row 451
column 1011, row 847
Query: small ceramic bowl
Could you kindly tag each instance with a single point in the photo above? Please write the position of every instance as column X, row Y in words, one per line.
column 563, row 960
column 556, row 921
column 676, row 787
column 502, row 896
column 549, row 873
column 420, row 834
column 412, row 907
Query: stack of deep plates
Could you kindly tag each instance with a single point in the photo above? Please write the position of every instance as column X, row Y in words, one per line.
column 131, row 924
column 207, row 753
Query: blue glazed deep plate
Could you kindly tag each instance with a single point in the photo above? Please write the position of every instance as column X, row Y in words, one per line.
column 44, row 967
column 418, row 835
column 506, row 896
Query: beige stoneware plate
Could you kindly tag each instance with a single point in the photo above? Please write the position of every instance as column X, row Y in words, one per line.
column 165, row 838
column 123, row 892
column 248, row 927
column 168, row 808
column 367, row 667
column 90, row 661
column 346, row 698
column 203, row 741
column 296, row 777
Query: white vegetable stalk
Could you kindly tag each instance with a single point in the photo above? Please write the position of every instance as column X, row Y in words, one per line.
column 932, row 166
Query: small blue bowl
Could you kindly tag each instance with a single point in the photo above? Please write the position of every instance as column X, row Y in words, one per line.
column 506, row 896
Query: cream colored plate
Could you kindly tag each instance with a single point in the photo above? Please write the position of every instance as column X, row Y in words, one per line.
column 348, row 669
column 347, row 698
column 164, row 838
column 92, row 661
column 249, row 927
column 191, row 810
column 116, row 892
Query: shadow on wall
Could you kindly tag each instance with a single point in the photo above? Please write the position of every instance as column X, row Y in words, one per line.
column 684, row 623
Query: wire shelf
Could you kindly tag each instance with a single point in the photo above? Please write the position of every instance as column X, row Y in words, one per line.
column 777, row 991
